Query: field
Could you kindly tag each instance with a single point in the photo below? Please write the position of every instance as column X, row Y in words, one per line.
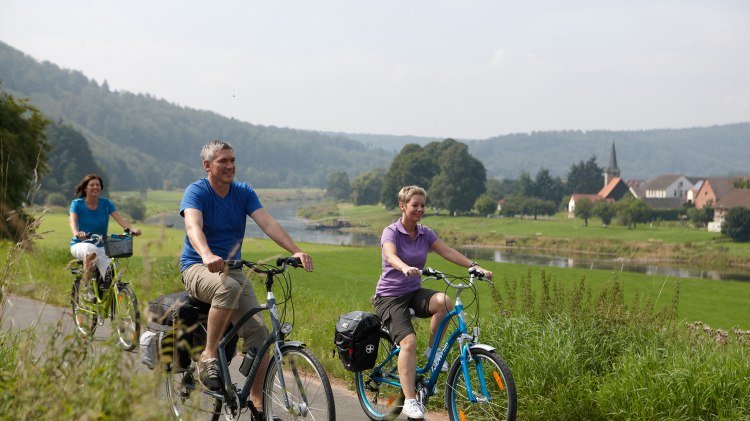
column 581, row 343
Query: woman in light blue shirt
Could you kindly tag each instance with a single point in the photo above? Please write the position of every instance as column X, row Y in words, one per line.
column 89, row 214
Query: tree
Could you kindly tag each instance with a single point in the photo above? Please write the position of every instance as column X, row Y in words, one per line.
column 70, row 159
column 460, row 181
column 605, row 211
column 410, row 167
column 630, row 212
column 700, row 217
column 736, row 224
column 495, row 189
column 546, row 187
column 584, row 209
column 485, row 205
column 23, row 159
column 525, row 185
column 366, row 187
column 585, row 177
column 338, row 187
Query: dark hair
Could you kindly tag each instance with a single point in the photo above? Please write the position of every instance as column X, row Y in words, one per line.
column 81, row 187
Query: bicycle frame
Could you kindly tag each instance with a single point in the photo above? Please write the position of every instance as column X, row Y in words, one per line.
column 275, row 336
column 460, row 335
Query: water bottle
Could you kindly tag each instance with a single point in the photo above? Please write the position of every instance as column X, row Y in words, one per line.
column 247, row 362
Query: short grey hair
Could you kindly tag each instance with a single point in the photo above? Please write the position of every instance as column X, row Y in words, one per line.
column 208, row 152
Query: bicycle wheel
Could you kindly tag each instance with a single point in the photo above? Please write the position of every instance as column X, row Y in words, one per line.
column 496, row 401
column 188, row 399
column 127, row 317
column 308, row 390
column 83, row 300
column 381, row 400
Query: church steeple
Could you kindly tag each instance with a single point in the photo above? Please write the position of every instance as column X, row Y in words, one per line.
column 612, row 169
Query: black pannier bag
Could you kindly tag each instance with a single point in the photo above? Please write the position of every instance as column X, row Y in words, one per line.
column 356, row 340
column 176, row 332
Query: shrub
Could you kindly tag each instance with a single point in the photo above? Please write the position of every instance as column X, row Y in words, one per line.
column 55, row 199
column 737, row 224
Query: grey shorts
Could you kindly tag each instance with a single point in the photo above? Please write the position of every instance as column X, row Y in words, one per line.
column 232, row 292
column 394, row 311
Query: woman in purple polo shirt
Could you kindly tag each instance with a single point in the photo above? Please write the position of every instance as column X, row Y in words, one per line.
column 405, row 245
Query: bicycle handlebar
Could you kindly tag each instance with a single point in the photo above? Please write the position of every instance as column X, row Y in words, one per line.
column 98, row 238
column 281, row 264
column 431, row 273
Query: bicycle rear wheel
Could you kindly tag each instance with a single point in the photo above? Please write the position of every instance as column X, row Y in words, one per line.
column 495, row 401
column 83, row 300
column 308, row 390
column 188, row 399
column 127, row 317
column 380, row 399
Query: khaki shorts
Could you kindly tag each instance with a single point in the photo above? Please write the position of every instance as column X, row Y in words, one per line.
column 394, row 311
column 232, row 292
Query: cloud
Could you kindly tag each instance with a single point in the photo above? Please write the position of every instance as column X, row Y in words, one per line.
column 497, row 58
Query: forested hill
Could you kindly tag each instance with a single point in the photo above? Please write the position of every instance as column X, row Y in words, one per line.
column 142, row 141
column 703, row 151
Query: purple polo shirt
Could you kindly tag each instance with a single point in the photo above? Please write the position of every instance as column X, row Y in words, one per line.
column 392, row 281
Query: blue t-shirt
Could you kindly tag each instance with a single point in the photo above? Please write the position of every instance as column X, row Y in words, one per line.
column 92, row 221
column 223, row 219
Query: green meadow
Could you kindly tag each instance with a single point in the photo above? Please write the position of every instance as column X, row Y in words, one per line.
column 581, row 343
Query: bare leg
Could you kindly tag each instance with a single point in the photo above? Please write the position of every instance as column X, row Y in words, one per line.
column 256, row 390
column 440, row 306
column 218, row 320
column 407, row 365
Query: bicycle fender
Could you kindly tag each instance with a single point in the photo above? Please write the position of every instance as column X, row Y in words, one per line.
column 484, row 347
column 288, row 344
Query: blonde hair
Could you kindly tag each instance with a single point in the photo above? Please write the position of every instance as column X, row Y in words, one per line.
column 208, row 152
column 406, row 192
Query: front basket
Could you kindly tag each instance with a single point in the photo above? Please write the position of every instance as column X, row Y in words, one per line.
column 119, row 246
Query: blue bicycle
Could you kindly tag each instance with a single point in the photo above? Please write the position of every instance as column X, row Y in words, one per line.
column 479, row 385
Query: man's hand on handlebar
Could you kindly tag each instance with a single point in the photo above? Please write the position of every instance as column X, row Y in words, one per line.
column 213, row 262
column 306, row 260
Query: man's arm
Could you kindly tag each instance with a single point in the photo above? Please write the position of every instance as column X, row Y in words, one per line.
column 194, row 230
column 278, row 234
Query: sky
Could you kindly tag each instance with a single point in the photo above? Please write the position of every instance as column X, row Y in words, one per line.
column 461, row 69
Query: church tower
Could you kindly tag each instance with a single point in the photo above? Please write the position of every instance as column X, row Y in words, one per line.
column 612, row 169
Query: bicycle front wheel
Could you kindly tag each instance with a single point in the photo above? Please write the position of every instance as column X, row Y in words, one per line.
column 307, row 394
column 378, row 389
column 83, row 300
column 492, row 386
column 188, row 399
column 127, row 317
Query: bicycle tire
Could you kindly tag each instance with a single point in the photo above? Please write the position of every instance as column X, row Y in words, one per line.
column 126, row 317
column 500, row 404
column 380, row 401
column 188, row 399
column 307, row 388
column 84, row 308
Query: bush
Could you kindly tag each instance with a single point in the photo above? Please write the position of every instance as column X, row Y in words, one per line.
column 737, row 224
column 134, row 207
column 55, row 199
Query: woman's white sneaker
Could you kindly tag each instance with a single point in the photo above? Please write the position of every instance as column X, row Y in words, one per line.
column 412, row 410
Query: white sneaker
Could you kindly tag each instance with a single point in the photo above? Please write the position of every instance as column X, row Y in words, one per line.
column 412, row 410
column 438, row 356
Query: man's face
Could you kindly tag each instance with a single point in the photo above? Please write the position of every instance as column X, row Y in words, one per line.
column 222, row 168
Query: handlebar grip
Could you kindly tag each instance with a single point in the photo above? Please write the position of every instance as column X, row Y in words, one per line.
column 429, row 272
column 293, row 261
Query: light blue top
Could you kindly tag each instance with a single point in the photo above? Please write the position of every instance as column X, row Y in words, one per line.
column 223, row 219
column 92, row 221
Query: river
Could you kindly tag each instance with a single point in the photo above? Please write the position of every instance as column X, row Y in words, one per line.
column 300, row 230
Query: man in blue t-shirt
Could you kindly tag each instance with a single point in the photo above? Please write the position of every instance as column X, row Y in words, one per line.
column 215, row 209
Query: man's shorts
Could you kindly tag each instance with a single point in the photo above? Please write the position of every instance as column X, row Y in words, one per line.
column 394, row 311
column 232, row 292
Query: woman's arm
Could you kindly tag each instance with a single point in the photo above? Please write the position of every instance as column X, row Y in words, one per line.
column 389, row 253
column 73, row 224
column 124, row 223
column 454, row 256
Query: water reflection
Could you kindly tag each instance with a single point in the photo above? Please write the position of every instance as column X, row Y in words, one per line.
column 511, row 256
